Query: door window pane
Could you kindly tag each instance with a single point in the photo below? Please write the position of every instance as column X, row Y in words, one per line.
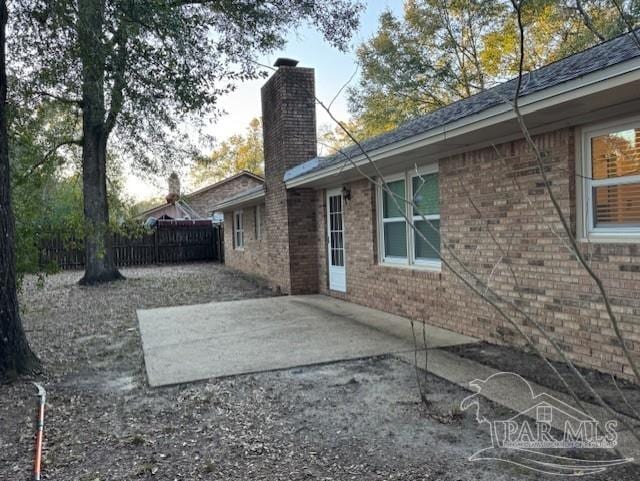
column 336, row 232
column 395, row 239
column 337, row 257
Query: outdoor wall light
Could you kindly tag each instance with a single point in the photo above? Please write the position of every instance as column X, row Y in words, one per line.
column 346, row 192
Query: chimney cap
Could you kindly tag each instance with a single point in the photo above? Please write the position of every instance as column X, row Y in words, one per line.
column 285, row 62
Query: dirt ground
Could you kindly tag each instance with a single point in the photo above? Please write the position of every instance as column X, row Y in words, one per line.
column 356, row 420
column 529, row 365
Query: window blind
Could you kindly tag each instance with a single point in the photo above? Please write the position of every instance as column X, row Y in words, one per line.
column 615, row 163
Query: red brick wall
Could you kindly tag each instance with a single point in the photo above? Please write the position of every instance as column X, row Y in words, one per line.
column 253, row 258
column 303, row 246
column 203, row 202
column 551, row 287
column 289, row 129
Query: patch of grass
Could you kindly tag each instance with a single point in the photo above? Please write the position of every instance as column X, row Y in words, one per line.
column 209, row 467
column 446, row 416
column 456, row 413
column 145, row 468
column 137, row 440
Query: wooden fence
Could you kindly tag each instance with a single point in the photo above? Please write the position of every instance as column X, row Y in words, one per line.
column 169, row 242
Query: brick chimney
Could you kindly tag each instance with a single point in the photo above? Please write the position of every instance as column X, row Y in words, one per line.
column 174, row 189
column 289, row 130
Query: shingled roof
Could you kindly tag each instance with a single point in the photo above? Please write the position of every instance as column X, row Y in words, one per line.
column 598, row 57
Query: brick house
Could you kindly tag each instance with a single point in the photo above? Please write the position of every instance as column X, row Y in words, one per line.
column 200, row 203
column 317, row 225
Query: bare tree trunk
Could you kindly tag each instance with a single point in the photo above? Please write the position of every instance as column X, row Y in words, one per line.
column 99, row 263
column 16, row 356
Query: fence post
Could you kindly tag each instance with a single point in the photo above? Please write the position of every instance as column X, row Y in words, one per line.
column 156, row 249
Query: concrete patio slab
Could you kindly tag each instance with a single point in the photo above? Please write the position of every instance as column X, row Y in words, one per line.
column 190, row 343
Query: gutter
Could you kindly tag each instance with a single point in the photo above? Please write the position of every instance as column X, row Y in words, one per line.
column 594, row 82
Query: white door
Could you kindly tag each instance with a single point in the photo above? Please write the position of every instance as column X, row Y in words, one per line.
column 335, row 244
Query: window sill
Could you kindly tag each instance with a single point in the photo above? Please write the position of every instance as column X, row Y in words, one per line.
column 427, row 268
column 239, row 249
column 611, row 238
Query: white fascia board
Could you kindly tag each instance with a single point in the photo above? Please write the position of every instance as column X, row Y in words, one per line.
column 595, row 82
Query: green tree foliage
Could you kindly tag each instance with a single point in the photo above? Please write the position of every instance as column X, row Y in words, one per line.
column 332, row 139
column 46, row 180
column 444, row 50
column 136, row 69
column 239, row 152
column 43, row 146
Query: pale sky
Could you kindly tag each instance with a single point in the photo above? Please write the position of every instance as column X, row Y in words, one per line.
column 332, row 67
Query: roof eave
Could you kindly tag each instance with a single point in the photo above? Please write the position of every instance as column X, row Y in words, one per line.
column 224, row 181
column 618, row 74
column 239, row 202
column 150, row 211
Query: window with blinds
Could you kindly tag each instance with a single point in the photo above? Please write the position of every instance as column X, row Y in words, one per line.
column 393, row 220
column 409, row 218
column 426, row 217
column 613, row 184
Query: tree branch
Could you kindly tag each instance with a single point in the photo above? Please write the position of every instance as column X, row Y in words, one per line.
column 575, row 249
column 587, row 20
column 47, row 155
column 627, row 22
column 59, row 98
column 117, row 91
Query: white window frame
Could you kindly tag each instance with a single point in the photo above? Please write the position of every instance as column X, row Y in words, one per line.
column 396, row 260
column 258, row 222
column 238, row 230
column 410, row 261
column 585, row 203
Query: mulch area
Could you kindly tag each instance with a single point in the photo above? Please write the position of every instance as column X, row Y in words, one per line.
column 620, row 394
